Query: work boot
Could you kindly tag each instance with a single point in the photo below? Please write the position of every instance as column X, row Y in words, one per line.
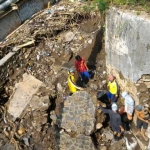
column 116, row 138
column 84, row 85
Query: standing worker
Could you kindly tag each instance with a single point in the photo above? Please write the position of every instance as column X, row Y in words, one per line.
column 115, row 120
column 127, row 115
column 72, row 82
column 82, row 69
column 112, row 94
column 142, row 113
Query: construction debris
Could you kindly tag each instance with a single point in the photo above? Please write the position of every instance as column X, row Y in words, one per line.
column 45, row 116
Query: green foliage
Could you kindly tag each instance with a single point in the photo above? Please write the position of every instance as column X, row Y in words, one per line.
column 90, row 6
column 102, row 5
column 122, row 2
column 138, row 13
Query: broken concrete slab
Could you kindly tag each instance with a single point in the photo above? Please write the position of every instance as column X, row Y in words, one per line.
column 80, row 142
column 78, row 114
column 23, row 95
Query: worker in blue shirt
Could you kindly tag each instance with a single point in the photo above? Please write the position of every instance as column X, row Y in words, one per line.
column 115, row 119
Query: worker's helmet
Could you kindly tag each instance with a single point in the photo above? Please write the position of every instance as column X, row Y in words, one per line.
column 71, row 70
column 114, row 107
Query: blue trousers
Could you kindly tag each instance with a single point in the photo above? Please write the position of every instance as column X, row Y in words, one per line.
column 84, row 75
column 112, row 97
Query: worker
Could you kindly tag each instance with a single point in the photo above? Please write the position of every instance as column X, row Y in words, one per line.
column 127, row 114
column 142, row 113
column 112, row 94
column 82, row 69
column 115, row 120
column 72, row 82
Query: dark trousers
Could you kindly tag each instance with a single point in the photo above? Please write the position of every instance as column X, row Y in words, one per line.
column 126, row 123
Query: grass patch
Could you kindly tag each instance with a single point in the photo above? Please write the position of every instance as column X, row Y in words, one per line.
column 103, row 5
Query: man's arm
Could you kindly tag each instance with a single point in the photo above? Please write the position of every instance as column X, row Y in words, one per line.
column 85, row 65
column 138, row 115
column 105, row 111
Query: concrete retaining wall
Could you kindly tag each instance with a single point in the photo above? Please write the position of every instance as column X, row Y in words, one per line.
column 13, row 19
column 8, row 23
column 127, row 43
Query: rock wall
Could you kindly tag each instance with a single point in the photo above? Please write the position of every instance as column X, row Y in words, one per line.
column 78, row 117
column 127, row 46
column 10, row 63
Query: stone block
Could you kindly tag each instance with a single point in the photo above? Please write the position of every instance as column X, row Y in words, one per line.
column 78, row 111
column 23, row 95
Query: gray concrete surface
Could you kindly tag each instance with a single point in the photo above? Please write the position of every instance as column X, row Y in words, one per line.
column 23, row 94
column 127, row 43
column 13, row 19
column 31, row 7
column 9, row 23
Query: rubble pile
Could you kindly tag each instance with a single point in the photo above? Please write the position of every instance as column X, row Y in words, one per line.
column 77, row 117
column 58, row 31
column 79, row 142
column 52, row 37
column 78, row 114
column 143, row 86
column 64, row 16
column 50, row 118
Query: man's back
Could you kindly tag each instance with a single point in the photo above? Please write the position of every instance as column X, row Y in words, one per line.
column 115, row 119
column 80, row 65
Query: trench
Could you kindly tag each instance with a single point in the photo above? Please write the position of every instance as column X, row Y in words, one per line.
column 51, row 107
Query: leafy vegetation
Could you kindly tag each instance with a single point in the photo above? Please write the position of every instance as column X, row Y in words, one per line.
column 104, row 4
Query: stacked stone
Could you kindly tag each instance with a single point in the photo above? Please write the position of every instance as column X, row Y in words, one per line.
column 143, row 93
column 80, row 142
column 78, row 116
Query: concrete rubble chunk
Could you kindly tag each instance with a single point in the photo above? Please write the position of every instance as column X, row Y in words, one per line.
column 23, row 95
column 78, row 114
column 59, row 87
column 69, row 36
column 80, row 142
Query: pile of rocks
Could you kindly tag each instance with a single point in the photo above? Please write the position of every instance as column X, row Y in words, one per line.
column 49, row 108
column 78, row 117
column 143, row 92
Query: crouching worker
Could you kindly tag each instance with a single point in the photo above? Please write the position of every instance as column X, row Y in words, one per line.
column 142, row 113
column 72, row 82
column 115, row 120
